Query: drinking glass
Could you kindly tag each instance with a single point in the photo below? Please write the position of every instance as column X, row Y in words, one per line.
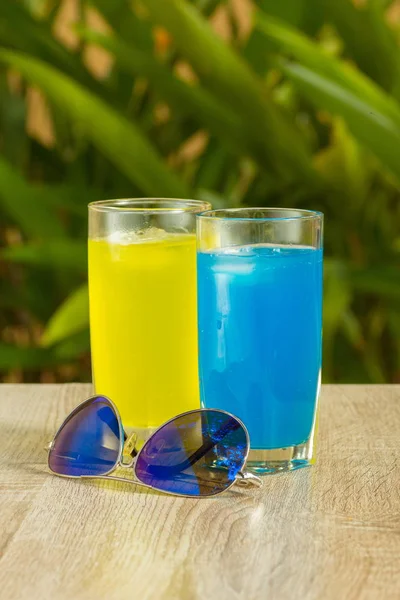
column 260, row 324
column 143, row 307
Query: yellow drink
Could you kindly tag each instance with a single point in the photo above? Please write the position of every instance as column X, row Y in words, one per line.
column 143, row 318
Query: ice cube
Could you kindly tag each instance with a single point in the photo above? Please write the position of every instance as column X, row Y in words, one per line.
column 234, row 268
column 141, row 236
column 232, row 261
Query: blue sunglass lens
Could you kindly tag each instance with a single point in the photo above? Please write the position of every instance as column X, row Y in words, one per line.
column 89, row 442
column 197, row 454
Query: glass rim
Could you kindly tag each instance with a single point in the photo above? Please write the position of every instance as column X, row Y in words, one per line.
column 150, row 205
column 229, row 214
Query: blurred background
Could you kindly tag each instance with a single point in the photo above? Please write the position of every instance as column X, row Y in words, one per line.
column 271, row 103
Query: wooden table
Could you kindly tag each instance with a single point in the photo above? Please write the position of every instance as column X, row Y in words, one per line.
column 329, row 532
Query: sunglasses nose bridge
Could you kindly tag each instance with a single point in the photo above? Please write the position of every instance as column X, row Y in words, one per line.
column 129, row 464
column 129, row 450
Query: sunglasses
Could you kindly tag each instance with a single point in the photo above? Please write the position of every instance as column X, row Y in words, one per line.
column 196, row 454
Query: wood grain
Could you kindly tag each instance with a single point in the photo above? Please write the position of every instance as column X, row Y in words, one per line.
column 329, row 532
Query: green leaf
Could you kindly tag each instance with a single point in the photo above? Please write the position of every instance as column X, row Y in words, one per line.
column 186, row 99
column 311, row 55
column 352, row 329
column 307, row 15
column 36, row 359
column 394, row 324
column 70, row 318
column 53, row 12
column 337, row 295
column 368, row 38
column 55, row 254
column 14, row 138
column 69, row 198
column 207, row 7
column 72, row 347
column 337, row 299
column 290, row 10
column 258, row 53
column 122, row 17
column 229, row 77
column 343, row 163
column 382, row 281
column 23, row 204
column 214, row 166
column 120, row 140
column 26, row 297
column 377, row 131
column 23, row 32
column 13, row 357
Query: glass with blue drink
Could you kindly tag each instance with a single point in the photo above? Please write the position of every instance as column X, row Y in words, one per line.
column 260, row 326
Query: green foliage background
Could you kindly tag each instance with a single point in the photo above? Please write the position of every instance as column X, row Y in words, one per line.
column 300, row 109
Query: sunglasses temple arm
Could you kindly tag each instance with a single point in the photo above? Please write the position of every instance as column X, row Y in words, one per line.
column 122, row 479
column 209, row 444
column 193, row 458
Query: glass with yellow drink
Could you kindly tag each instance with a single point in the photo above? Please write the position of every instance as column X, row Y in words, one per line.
column 143, row 307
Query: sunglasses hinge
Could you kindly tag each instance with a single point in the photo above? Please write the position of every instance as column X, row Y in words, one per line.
column 244, row 478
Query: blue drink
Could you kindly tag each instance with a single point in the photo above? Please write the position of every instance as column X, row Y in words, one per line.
column 260, row 311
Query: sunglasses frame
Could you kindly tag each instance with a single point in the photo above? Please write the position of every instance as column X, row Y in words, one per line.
column 243, row 478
